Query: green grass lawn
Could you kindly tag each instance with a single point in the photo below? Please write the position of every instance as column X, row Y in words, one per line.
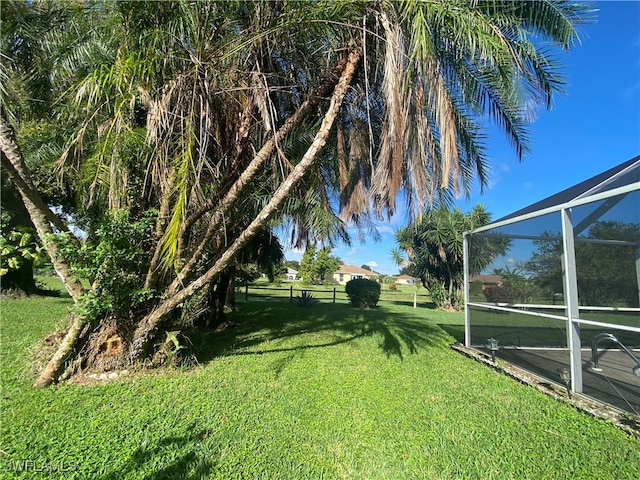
column 298, row 393
column 402, row 295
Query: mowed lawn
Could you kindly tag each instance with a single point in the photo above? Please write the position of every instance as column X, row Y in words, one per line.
column 297, row 393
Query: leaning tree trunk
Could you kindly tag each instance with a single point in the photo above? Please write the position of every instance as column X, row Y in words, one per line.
column 41, row 215
column 148, row 327
column 248, row 174
column 230, row 301
column 56, row 364
column 219, row 298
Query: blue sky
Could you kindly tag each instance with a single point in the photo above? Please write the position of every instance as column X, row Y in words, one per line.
column 592, row 127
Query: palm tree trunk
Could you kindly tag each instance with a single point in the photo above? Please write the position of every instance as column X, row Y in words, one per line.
column 39, row 213
column 153, row 273
column 148, row 326
column 40, row 216
column 56, row 364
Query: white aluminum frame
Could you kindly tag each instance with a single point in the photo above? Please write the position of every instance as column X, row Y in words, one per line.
column 572, row 308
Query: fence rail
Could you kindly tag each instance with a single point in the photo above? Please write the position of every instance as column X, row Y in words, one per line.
column 332, row 295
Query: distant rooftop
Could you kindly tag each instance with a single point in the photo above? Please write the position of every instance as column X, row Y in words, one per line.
column 352, row 269
column 406, row 277
column 491, row 278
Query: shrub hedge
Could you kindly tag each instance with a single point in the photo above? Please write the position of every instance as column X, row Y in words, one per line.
column 363, row 293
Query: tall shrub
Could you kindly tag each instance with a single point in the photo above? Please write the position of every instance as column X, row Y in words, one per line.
column 363, row 293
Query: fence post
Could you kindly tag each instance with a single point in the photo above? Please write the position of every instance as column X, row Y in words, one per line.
column 415, row 299
column 246, row 293
column 291, row 294
column 334, row 294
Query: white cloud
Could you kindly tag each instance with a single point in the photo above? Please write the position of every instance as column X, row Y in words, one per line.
column 385, row 229
column 372, row 264
column 497, row 173
column 504, row 167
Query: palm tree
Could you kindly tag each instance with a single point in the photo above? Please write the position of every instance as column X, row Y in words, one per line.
column 434, row 247
column 200, row 160
column 443, row 68
column 191, row 110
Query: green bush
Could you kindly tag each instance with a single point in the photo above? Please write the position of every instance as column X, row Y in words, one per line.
column 498, row 294
column 363, row 293
column 113, row 256
column 305, row 300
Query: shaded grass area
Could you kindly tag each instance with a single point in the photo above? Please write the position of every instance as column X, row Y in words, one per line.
column 292, row 393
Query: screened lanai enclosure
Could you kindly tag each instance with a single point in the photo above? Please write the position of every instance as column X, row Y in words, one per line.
column 555, row 287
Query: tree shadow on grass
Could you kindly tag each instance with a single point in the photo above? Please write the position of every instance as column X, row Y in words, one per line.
column 276, row 327
column 187, row 465
column 456, row 331
column 409, row 303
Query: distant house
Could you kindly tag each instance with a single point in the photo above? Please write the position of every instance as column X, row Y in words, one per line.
column 292, row 274
column 406, row 280
column 351, row 272
column 487, row 280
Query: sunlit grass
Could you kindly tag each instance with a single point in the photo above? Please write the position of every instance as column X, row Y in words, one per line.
column 285, row 290
column 295, row 393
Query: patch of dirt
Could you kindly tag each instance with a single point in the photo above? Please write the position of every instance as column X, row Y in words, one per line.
column 96, row 378
column 624, row 420
column 55, row 338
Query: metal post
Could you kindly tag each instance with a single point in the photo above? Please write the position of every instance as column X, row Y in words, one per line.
column 334, row 294
column 571, row 300
column 246, row 293
column 638, row 269
column 291, row 294
column 467, row 319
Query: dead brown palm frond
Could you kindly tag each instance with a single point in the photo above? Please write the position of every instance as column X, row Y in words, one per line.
column 446, row 64
column 355, row 195
column 441, row 103
column 341, row 154
column 269, row 119
column 192, row 139
column 423, row 182
column 387, row 178
column 260, row 89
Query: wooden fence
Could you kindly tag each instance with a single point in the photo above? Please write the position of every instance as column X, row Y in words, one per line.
column 330, row 295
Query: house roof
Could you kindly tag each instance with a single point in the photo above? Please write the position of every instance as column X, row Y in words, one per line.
column 291, row 271
column 486, row 278
column 405, row 277
column 626, row 173
column 352, row 269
